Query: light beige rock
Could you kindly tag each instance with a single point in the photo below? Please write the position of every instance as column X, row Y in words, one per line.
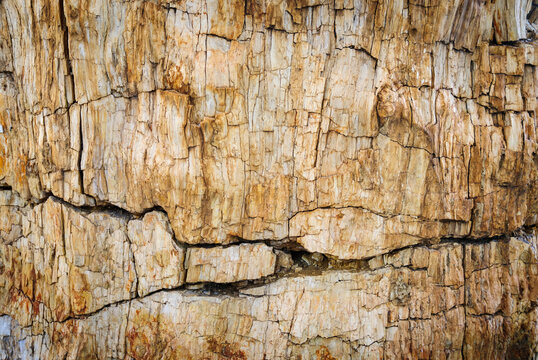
column 412, row 304
column 11, row 226
column 306, row 154
column 67, row 260
column 158, row 259
column 59, row 142
column 39, row 62
column 355, row 233
column 235, row 121
column 229, row 264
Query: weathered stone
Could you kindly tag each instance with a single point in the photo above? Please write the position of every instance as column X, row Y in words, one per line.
column 501, row 280
column 68, row 261
column 305, row 178
column 355, row 233
column 232, row 128
column 158, row 259
column 384, row 312
column 229, row 264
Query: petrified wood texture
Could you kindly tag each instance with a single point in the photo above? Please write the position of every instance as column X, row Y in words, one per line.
column 268, row 179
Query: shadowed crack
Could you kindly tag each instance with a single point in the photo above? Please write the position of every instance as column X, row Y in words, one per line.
column 304, row 264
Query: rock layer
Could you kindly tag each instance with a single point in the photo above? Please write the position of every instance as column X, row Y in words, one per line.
column 234, row 127
column 268, row 179
column 421, row 302
column 234, row 263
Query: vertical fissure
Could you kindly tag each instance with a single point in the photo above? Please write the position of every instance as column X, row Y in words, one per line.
column 70, row 97
column 70, row 92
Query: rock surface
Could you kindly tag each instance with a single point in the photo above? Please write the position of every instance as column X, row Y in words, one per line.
column 158, row 259
column 422, row 302
column 253, row 179
column 233, row 263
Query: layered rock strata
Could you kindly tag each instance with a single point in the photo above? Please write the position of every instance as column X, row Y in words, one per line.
column 253, row 179
column 112, row 297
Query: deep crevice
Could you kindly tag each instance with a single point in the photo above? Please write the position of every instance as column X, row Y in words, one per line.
column 63, row 24
column 107, row 208
column 304, row 264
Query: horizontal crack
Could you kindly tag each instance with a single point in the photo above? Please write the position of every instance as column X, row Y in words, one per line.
column 288, row 243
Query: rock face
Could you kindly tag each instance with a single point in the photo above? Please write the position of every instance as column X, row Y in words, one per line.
column 253, row 179
column 234, row 263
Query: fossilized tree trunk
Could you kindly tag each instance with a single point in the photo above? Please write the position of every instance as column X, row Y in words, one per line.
column 268, row 179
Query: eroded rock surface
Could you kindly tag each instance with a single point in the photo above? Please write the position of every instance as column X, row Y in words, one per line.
column 268, row 179
column 234, row 118
column 65, row 262
column 229, row 264
column 421, row 302
column 158, row 259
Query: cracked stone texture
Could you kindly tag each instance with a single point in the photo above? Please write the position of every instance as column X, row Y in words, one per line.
column 229, row 264
column 158, row 259
column 63, row 261
column 421, row 302
column 236, row 118
column 280, row 178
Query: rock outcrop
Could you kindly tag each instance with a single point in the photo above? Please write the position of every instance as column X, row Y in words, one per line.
column 268, row 179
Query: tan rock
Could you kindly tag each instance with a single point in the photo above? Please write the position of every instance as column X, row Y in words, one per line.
column 11, row 225
column 260, row 113
column 509, row 270
column 412, row 306
column 501, row 282
column 145, row 143
column 37, row 46
column 70, row 261
column 355, row 233
column 229, row 264
column 158, row 259
column 59, row 141
column 226, row 18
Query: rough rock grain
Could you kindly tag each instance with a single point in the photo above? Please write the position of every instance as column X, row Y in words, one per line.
column 235, row 121
column 229, row 264
column 64, row 262
column 418, row 303
column 158, row 259
column 268, row 179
